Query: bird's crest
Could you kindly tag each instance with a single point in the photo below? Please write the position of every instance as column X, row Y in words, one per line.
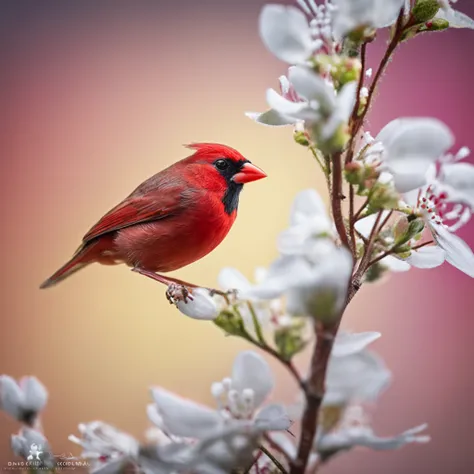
column 215, row 150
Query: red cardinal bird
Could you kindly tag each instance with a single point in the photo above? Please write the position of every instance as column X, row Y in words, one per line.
column 172, row 219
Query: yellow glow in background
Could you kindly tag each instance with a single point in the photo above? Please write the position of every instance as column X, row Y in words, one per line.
column 98, row 96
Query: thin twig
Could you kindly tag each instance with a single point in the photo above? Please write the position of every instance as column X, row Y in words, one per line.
column 393, row 250
column 337, row 198
column 355, row 110
column 351, row 220
column 278, row 448
column 399, row 28
column 382, row 225
column 287, row 363
column 275, row 461
column 359, row 212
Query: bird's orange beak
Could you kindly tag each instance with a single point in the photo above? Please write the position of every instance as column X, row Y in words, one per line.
column 248, row 173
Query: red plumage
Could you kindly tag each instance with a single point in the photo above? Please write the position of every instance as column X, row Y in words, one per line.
column 173, row 218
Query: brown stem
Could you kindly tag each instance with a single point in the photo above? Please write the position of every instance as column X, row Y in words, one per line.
column 315, row 389
column 287, row 363
column 393, row 249
column 337, row 198
column 351, row 220
column 274, row 460
column 399, row 28
column 355, row 110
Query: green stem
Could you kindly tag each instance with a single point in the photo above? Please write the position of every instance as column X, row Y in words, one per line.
column 257, row 325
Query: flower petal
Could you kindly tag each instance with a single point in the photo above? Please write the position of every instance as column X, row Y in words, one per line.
column 311, row 86
column 354, row 378
column 11, row 396
column 286, row 33
column 455, row 18
column 365, row 226
column 202, row 306
column 307, row 204
column 459, row 180
column 35, row 392
column 281, row 276
column 250, row 370
column 185, row 418
column 272, row 418
column 394, row 264
column 457, row 251
column 231, row 279
column 427, row 257
column 347, row 343
column 411, row 146
column 272, row 118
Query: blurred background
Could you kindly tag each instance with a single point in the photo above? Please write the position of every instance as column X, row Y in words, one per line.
column 96, row 97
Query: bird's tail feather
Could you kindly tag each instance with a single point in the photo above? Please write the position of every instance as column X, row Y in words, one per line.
column 81, row 259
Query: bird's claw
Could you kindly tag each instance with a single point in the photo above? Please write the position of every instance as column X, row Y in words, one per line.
column 176, row 293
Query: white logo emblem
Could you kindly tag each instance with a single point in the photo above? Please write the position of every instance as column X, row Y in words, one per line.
column 35, row 451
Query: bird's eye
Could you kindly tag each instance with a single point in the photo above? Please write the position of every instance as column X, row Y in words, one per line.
column 221, row 164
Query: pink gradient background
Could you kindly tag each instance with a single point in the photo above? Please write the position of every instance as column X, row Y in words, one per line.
column 97, row 96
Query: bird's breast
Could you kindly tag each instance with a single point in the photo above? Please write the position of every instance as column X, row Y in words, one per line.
column 176, row 241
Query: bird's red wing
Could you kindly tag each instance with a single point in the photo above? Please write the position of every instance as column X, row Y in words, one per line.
column 135, row 210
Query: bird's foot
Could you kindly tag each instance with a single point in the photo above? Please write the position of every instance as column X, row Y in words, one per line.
column 176, row 293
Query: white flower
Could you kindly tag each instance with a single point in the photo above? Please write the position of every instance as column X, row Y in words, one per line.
column 273, row 117
column 316, row 102
column 424, row 257
column 23, row 401
column 410, row 147
column 309, row 222
column 106, row 447
column 286, row 33
column 321, row 290
column 199, row 305
column 457, row 179
column 357, row 376
column 306, row 284
column 455, row 18
column 353, row 14
column 457, row 252
column 432, row 206
column 270, row 314
column 354, row 431
column 238, row 398
column 34, row 448
column 347, row 343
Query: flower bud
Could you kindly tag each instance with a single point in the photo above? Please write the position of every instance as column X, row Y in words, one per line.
column 415, row 227
column 401, row 227
column 437, row 24
column 383, row 196
column 231, row 323
column 425, row 10
column 301, row 138
column 335, row 143
column 289, row 340
column 201, row 306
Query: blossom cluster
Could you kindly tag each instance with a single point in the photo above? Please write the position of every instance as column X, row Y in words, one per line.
column 185, row 435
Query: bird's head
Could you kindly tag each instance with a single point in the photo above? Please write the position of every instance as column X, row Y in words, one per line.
column 223, row 170
column 225, row 161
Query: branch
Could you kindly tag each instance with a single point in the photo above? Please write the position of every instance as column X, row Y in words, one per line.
column 273, row 460
column 337, row 198
column 315, row 389
column 355, row 110
column 399, row 28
